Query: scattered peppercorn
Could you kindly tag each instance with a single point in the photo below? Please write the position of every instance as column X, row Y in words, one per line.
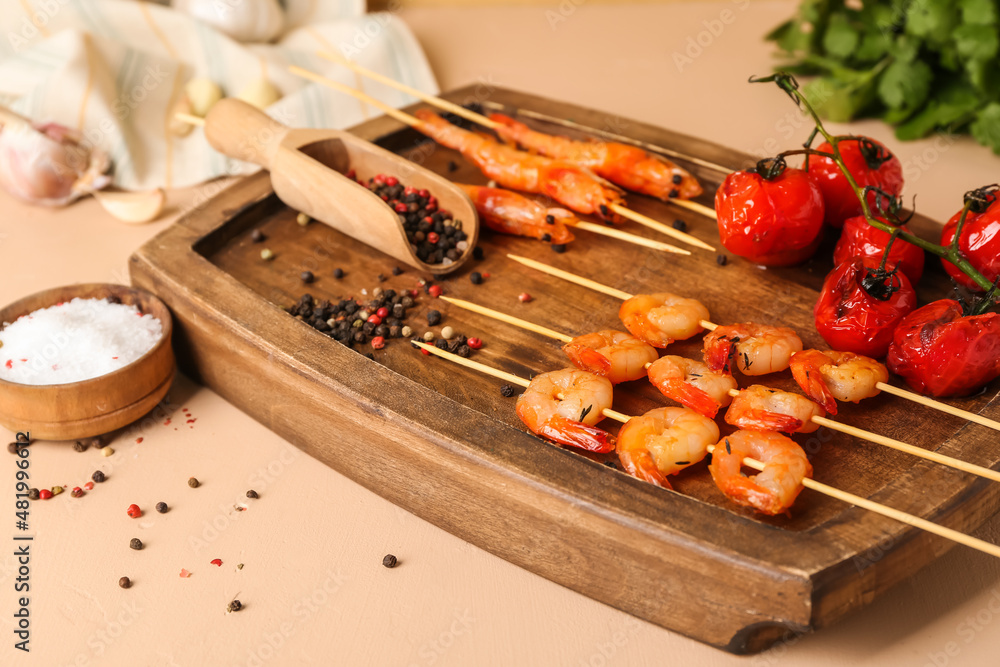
column 81, row 446
column 559, row 248
column 524, row 297
column 107, row 451
column 44, row 494
column 134, row 511
column 396, row 271
column 161, row 507
column 429, row 337
column 193, row 482
column 89, row 486
column 506, row 391
column 433, row 317
column 435, row 291
column 447, row 333
column 252, row 494
column 13, row 447
column 390, row 561
column 257, row 236
column 135, row 543
column 478, row 254
column 56, row 490
column 235, row 605
column 452, row 165
column 721, row 260
column 378, row 342
column 267, row 254
column 677, row 179
column 680, row 225
column 77, row 492
column 406, row 332
column 98, row 476
column 33, row 494
column 476, row 278
column 125, row 582
column 475, row 343
column 338, row 273
column 307, row 277
column 302, row 219
column 673, row 194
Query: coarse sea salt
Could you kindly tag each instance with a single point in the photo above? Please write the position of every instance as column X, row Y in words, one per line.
column 76, row 340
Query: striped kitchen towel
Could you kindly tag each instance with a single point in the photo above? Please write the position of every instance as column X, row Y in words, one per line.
column 113, row 69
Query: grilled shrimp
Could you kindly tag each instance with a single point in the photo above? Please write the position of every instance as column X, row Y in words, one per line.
column 615, row 355
column 774, row 489
column 628, row 166
column 844, row 376
column 759, row 349
column 760, row 408
column 661, row 318
column 564, row 405
column 510, row 213
column 663, row 442
column 572, row 186
column 692, row 383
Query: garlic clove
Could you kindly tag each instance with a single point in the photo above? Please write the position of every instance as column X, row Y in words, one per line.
column 133, row 207
column 202, row 93
column 47, row 164
column 244, row 21
column 261, row 94
column 178, row 127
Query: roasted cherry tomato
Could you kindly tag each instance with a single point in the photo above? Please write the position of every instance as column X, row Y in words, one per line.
column 771, row 215
column 941, row 353
column 869, row 162
column 851, row 318
column 980, row 239
column 859, row 239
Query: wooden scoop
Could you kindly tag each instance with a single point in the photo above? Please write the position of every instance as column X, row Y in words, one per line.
column 307, row 173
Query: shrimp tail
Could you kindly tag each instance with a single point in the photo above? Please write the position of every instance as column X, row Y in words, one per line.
column 640, row 464
column 764, row 420
column 815, row 388
column 587, row 359
column 575, row 434
column 718, row 354
column 690, row 396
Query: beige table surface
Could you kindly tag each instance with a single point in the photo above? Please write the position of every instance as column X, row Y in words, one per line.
column 313, row 586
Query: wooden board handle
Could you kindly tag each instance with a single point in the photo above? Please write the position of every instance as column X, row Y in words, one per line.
column 244, row 132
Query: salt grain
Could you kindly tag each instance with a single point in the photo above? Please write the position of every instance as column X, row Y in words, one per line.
column 78, row 340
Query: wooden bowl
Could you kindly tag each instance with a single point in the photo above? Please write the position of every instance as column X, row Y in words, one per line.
column 99, row 405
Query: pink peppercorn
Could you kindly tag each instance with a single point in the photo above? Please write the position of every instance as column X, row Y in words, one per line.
column 216, row 561
column 424, row 193
column 134, row 511
column 44, row 494
column 391, row 181
column 435, row 291
column 432, row 238
column 89, row 486
column 431, row 208
column 351, row 174
column 474, row 343
column 400, row 207
column 378, row 342
column 378, row 179
column 524, row 297
column 382, row 312
column 409, row 190
column 375, row 319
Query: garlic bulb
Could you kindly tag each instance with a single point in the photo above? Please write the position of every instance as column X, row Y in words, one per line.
column 46, row 163
column 261, row 93
column 244, row 21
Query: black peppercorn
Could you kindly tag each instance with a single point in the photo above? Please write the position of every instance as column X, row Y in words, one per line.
column 257, row 236
column 135, row 543
column 125, row 582
column 98, row 476
column 507, row 391
column 677, row 179
column 338, row 273
column 161, row 507
column 390, row 561
column 478, row 254
column 252, row 494
column 452, row 165
column 13, row 447
column 32, row 494
column 81, row 446
column 559, row 247
column 476, row 278
column 307, row 277
column 193, row 482
column 235, row 605
column 721, row 260
column 396, row 271
column 680, row 225
column 433, row 318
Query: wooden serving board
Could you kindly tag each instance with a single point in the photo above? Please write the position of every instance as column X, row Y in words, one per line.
column 442, row 442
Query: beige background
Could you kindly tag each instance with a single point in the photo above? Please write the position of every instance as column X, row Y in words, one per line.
column 313, row 585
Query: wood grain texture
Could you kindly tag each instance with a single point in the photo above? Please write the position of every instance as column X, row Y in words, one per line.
column 99, row 405
column 445, row 444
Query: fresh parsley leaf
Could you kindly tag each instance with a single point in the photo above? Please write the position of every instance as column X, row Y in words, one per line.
column 976, row 42
column 840, row 38
column 978, row 12
column 986, row 127
column 933, row 20
column 905, row 85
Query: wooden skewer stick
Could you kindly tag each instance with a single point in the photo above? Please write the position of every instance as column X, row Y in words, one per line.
column 472, row 116
column 631, row 238
column 888, row 388
column 406, row 118
column 854, row 431
column 833, row 492
column 190, row 119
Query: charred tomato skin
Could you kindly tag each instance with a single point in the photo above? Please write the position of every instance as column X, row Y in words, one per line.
column 859, row 239
column 777, row 222
column 940, row 352
column 850, row 319
column 980, row 243
column 838, row 197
